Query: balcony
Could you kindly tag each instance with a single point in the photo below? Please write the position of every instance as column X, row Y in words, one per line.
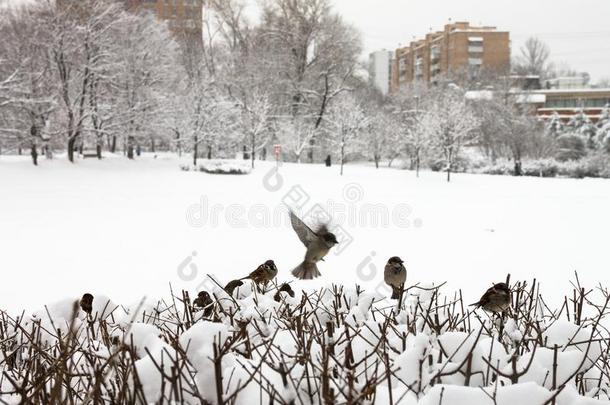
column 475, row 49
column 475, row 61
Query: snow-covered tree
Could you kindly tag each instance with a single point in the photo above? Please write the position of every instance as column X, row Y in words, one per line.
column 380, row 133
column 582, row 125
column 295, row 135
column 449, row 123
column 144, row 76
column 346, row 122
column 603, row 129
column 311, row 56
column 554, row 126
column 28, row 96
column 519, row 128
column 255, row 110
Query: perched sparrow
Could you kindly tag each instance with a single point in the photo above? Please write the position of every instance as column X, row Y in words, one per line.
column 86, row 303
column 232, row 285
column 496, row 299
column 318, row 244
column 263, row 273
column 205, row 302
column 283, row 288
column 395, row 275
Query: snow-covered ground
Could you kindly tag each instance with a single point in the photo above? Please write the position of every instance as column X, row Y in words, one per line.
column 129, row 228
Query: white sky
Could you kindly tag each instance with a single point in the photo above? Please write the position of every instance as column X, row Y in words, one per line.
column 577, row 31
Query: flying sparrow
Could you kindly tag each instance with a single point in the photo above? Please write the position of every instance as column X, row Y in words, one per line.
column 86, row 303
column 496, row 299
column 318, row 244
column 395, row 275
column 263, row 273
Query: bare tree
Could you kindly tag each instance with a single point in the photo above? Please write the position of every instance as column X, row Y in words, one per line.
column 533, row 58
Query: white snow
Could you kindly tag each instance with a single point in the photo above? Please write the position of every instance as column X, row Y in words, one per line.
column 119, row 228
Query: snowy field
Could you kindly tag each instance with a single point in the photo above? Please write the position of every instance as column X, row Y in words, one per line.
column 128, row 229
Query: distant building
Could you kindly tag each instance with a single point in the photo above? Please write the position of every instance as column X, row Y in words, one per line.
column 458, row 46
column 181, row 15
column 380, row 70
column 570, row 82
column 568, row 101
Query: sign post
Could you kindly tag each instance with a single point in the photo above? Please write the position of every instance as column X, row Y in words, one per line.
column 277, row 151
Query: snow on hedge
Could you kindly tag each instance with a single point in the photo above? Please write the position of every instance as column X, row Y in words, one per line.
column 332, row 345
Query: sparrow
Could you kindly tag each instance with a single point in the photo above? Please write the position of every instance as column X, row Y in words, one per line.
column 86, row 303
column 395, row 275
column 496, row 299
column 263, row 273
column 283, row 288
column 205, row 302
column 232, row 285
column 318, row 245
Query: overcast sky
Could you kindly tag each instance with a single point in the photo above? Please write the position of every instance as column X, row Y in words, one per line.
column 577, row 31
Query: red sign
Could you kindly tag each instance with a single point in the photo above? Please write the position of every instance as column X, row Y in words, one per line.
column 277, row 150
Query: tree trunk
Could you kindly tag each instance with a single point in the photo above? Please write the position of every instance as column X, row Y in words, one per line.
column 376, row 161
column 98, row 151
column 252, row 152
column 195, row 147
column 449, row 162
column 34, row 154
column 310, row 151
column 518, row 170
column 113, row 144
column 152, row 144
column 178, row 146
column 342, row 158
column 130, row 147
column 417, row 166
column 71, row 148
column 209, row 152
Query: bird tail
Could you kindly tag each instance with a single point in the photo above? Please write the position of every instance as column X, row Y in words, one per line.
column 476, row 304
column 395, row 293
column 306, row 271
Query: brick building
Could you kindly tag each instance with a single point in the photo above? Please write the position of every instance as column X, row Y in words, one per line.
column 458, row 46
column 181, row 15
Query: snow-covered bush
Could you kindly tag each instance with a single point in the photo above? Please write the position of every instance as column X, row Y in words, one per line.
column 571, row 147
column 332, row 345
column 540, row 168
column 459, row 165
column 219, row 166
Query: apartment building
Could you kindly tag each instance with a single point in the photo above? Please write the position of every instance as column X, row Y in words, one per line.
column 380, row 67
column 457, row 46
column 181, row 15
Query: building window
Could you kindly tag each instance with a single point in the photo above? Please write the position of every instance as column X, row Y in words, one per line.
column 475, row 45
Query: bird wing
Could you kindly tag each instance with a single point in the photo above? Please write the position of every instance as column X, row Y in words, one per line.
column 322, row 229
column 305, row 234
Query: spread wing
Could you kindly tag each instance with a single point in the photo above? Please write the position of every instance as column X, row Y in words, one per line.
column 305, row 234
